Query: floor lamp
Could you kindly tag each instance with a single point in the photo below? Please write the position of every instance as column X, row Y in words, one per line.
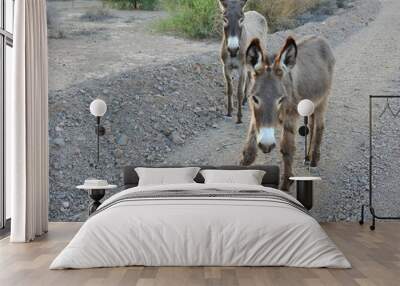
column 305, row 108
column 98, row 108
column 304, row 189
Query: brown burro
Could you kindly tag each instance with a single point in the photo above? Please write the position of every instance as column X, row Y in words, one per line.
column 239, row 29
column 302, row 70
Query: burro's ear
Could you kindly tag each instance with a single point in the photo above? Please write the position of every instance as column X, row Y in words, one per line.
column 254, row 56
column 288, row 54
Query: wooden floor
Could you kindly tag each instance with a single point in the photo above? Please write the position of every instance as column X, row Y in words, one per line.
column 375, row 257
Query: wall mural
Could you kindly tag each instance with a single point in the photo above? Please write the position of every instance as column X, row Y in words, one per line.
column 176, row 95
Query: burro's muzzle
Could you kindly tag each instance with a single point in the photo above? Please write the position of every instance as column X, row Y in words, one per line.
column 266, row 139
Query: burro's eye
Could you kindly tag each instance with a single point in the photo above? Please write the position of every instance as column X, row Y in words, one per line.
column 281, row 99
column 255, row 99
column 241, row 21
column 279, row 72
column 226, row 21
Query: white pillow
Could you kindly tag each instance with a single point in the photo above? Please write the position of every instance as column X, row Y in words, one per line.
column 165, row 176
column 247, row 177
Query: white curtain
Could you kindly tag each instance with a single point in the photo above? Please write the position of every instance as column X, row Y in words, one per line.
column 27, row 124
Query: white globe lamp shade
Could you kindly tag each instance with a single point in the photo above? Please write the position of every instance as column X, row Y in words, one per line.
column 98, row 107
column 305, row 107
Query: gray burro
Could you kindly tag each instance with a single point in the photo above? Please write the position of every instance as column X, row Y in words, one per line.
column 239, row 29
column 302, row 70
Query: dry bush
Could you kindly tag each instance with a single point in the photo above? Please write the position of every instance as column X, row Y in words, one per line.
column 191, row 18
column 281, row 14
column 201, row 18
column 96, row 14
column 133, row 4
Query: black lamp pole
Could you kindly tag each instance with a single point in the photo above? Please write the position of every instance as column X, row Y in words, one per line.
column 100, row 131
column 303, row 131
column 305, row 108
column 306, row 159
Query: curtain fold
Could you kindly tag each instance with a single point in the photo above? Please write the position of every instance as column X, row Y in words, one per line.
column 27, row 120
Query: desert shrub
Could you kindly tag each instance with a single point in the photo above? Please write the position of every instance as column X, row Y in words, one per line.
column 133, row 4
column 96, row 14
column 201, row 18
column 192, row 18
column 282, row 14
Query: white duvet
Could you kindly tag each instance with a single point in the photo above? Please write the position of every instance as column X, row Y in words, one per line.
column 200, row 231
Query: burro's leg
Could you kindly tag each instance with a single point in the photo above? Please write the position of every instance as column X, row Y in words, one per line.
column 249, row 152
column 228, row 88
column 240, row 93
column 247, row 88
column 288, row 149
column 319, row 126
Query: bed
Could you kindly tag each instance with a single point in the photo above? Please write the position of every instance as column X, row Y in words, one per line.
column 198, row 224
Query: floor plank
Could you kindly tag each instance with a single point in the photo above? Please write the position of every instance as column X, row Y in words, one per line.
column 375, row 257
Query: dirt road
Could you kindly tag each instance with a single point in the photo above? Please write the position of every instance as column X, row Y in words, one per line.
column 84, row 45
column 367, row 63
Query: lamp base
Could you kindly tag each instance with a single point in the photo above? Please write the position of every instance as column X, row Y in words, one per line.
column 305, row 193
column 96, row 195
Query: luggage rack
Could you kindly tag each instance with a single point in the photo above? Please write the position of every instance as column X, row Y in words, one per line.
column 395, row 115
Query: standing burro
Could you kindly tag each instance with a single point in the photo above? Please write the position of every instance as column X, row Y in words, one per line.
column 301, row 70
column 239, row 29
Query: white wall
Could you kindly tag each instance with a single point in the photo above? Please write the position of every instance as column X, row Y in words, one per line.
column 9, row 66
column 9, row 11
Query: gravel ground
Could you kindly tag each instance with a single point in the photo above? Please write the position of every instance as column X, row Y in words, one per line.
column 343, row 165
column 344, row 162
column 153, row 110
column 347, row 177
column 173, row 113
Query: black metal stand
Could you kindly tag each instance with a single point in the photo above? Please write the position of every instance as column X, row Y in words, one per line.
column 370, row 191
column 303, row 131
column 304, row 190
column 96, row 196
column 100, row 131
